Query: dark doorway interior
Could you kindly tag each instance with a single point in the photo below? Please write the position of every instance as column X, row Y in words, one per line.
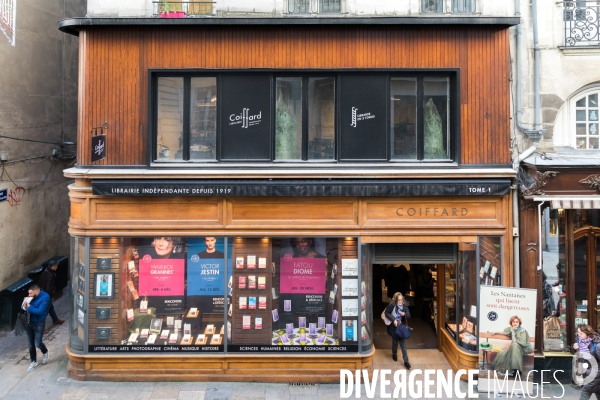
column 418, row 290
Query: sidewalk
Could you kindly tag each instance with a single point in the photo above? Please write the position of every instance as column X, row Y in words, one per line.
column 50, row 381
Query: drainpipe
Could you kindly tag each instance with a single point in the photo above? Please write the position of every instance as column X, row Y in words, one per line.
column 534, row 134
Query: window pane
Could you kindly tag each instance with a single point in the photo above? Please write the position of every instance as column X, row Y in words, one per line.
column 581, row 280
column 463, row 6
column 593, row 100
column 580, row 129
column 435, row 117
column 299, row 6
column 321, row 118
column 593, row 116
column 404, row 118
column 593, row 129
column 580, row 103
column 203, row 119
column 330, row 6
column 593, row 143
column 288, row 119
column 580, row 115
column 431, row 6
column 169, row 122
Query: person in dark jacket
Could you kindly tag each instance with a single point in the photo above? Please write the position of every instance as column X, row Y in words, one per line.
column 47, row 284
column 586, row 336
column 396, row 311
column 37, row 307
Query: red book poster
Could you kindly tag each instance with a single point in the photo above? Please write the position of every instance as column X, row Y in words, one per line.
column 162, row 274
column 241, row 282
column 303, row 275
column 161, row 277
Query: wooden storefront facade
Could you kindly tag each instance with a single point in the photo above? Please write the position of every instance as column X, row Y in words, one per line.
column 458, row 200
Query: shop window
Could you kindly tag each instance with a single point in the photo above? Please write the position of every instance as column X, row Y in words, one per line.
column 477, row 262
column 300, row 118
column 78, row 294
column 221, row 294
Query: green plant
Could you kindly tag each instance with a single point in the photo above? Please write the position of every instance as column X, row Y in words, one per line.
column 166, row 6
column 285, row 131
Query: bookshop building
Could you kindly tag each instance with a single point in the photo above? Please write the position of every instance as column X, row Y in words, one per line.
column 240, row 191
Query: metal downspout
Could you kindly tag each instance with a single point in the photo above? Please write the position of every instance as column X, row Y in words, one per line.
column 534, row 134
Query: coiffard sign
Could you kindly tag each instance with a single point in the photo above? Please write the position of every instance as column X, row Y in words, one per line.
column 245, row 118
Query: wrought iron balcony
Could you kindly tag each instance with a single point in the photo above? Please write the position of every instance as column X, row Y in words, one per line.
column 8, row 11
column 581, row 23
column 190, row 8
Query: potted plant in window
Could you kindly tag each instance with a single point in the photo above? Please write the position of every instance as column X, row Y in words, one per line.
column 168, row 12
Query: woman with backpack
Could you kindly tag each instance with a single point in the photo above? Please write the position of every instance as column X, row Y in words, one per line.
column 395, row 311
column 586, row 346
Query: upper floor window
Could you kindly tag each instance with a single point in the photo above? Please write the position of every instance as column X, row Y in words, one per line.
column 315, row 6
column 303, row 117
column 454, row 6
column 587, row 134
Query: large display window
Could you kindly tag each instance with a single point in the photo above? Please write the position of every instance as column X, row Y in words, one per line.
column 479, row 264
column 218, row 294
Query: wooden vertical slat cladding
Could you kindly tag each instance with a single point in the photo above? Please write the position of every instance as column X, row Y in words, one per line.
column 114, row 65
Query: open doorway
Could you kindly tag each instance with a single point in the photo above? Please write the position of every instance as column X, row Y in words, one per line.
column 418, row 283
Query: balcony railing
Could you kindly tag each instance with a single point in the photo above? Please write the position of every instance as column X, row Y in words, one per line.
column 191, row 8
column 581, row 23
column 8, row 16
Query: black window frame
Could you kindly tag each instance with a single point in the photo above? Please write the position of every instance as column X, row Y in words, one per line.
column 453, row 75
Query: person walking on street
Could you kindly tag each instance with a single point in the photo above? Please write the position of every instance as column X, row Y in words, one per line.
column 47, row 284
column 37, row 307
column 395, row 311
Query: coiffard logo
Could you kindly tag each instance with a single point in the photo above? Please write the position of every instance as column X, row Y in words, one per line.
column 245, row 118
column 99, row 149
column 359, row 117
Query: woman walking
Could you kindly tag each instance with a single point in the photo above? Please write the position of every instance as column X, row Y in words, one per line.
column 395, row 311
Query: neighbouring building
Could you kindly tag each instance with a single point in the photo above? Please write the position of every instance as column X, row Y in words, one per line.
column 38, row 124
column 560, row 174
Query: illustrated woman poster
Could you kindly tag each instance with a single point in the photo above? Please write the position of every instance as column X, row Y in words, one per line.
column 506, row 339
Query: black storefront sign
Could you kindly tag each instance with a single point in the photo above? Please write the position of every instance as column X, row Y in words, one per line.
column 302, row 188
column 98, row 147
column 246, row 117
column 363, row 103
column 142, row 348
column 345, row 348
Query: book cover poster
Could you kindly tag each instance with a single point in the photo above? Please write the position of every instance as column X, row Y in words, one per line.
column 303, row 266
column 506, row 338
column 349, row 330
column 303, row 274
column 206, row 273
column 162, row 274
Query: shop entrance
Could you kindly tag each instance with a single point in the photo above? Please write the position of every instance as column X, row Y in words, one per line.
column 419, row 292
column 413, row 270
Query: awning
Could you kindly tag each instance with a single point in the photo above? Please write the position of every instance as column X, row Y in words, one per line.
column 571, row 202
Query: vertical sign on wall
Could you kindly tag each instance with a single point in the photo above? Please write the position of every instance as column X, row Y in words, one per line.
column 98, row 147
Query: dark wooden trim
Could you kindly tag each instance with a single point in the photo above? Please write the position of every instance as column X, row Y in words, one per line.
column 73, row 26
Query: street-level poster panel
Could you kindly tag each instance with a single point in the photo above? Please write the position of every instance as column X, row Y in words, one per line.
column 506, row 339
